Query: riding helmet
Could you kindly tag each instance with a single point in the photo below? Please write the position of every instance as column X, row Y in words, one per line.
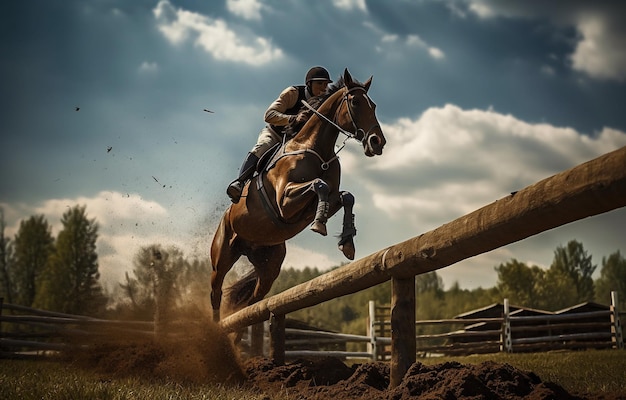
column 317, row 74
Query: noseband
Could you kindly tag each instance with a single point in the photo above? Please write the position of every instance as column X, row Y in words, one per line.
column 363, row 135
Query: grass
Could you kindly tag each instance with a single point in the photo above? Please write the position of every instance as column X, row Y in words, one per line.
column 597, row 372
column 30, row 380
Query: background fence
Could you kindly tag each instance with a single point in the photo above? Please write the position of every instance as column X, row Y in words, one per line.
column 31, row 333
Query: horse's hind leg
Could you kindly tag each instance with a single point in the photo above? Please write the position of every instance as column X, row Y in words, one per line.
column 223, row 256
column 267, row 262
column 346, row 244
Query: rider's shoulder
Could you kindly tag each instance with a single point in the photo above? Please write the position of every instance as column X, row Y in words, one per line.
column 291, row 89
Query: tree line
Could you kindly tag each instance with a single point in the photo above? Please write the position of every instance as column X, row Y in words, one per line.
column 61, row 274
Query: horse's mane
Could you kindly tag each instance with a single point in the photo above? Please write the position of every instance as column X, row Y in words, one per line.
column 316, row 102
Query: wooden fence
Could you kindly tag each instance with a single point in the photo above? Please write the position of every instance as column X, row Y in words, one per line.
column 510, row 332
column 588, row 189
column 34, row 332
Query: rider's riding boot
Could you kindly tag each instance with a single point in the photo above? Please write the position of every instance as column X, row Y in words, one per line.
column 245, row 173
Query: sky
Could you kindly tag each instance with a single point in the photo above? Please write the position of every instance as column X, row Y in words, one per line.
column 103, row 103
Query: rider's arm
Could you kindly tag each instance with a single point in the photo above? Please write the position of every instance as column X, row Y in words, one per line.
column 275, row 114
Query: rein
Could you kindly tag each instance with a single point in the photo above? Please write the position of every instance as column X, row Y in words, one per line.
column 349, row 135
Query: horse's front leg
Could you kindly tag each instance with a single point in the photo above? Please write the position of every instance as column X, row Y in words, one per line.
column 346, row 244
column 321, row 214
column 297, row 196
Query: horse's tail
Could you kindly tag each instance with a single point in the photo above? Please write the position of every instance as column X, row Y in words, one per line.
column 237, row 295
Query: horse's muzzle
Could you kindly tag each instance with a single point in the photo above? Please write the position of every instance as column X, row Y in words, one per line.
column 374, row 145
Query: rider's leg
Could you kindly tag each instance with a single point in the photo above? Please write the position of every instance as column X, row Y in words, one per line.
column 265, row 140
column 245, row 173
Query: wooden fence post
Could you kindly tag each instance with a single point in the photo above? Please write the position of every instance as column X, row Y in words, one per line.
column 616, row 327
column 372, row 347
column 506, row 342
column 1, row 305
column 403, row 344
column 277, row 338
column 257, row 333
column 163, row 282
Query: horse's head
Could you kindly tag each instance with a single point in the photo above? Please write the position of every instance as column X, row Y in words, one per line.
column 359, row 115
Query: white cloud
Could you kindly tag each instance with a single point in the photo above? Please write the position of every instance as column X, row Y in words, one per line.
column 351, row 5
column 599, row 52
column 394, row 46
column 246, row 9
column 148, row 67
column 436, row 53
column 482, row 10
column 389, row 38
column 469, row 158
column 299, row 257
column 213, row 36
column 416, row 41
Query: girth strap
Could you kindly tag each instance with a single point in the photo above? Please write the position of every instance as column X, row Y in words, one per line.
column 267, row 203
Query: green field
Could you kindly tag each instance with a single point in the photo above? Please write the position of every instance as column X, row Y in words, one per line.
column 593, row 372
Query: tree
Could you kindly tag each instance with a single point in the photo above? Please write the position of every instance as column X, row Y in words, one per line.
column 612, row 278
column 556, row 291
column 574, row 262
column 187, row 283
column 33, row 246
column 520, row 283
column 70, row 284
column 429, row 282
column 7, row 288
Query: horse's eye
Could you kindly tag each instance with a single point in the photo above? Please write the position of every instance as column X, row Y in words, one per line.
column 355, row 102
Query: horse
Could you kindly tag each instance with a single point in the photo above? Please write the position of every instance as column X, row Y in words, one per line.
column 300, row 187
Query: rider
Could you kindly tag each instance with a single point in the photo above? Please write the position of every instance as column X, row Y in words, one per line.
column 282, row 112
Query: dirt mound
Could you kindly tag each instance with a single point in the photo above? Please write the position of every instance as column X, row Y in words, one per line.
column 331, row 379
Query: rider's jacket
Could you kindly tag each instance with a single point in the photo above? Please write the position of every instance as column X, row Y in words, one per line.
column 287, row 104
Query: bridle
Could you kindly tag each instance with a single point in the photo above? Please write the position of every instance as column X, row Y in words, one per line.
column 349, row 135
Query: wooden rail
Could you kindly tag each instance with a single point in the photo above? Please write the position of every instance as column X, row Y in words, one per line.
column 580, row 330
column 588, row 189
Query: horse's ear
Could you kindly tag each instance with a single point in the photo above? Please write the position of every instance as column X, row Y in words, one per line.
column 347, row 78
column 367, row 84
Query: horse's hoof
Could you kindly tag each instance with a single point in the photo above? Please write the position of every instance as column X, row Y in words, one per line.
column 348, row 250
column 319, row 227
